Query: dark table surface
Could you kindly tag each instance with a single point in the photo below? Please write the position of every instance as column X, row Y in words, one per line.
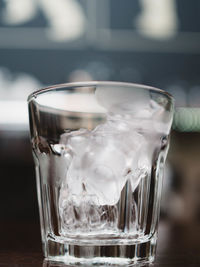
column 178, row 245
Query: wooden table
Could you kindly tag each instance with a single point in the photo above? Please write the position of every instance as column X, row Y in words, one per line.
column 178, row 245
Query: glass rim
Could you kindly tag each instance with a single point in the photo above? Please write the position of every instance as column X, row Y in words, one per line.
column 50, row 88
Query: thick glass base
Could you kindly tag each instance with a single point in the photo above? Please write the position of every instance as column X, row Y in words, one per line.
column 116, row 255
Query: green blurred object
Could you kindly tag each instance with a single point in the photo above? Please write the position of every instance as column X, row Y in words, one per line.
column 187, row 119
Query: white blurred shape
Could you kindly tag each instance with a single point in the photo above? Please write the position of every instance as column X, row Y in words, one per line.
column 65, row 17
column 16, row 86
column 23, row 85
column 158, row 19
column 79, row 75
column 18, row 12
column 13, row 113
column 14, row 90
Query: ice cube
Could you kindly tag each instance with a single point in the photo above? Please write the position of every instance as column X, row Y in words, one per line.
column 76, row 140
column 101, row 159
column 102, row 167
column 101, row 170
column 118, row 101
column 80, row 213
column 135, row 177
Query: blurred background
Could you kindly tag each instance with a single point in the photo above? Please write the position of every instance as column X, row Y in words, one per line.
column 44, row 42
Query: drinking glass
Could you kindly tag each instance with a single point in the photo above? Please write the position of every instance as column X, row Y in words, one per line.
column 99, row 150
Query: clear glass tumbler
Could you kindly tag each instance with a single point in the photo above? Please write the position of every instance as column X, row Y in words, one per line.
column 99, row 150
